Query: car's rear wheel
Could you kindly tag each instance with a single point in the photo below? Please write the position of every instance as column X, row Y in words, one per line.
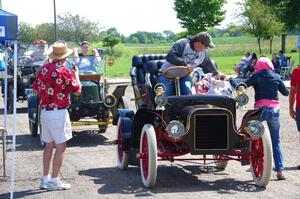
column 220, row 161
column 261, row 160
column 122, row 157
column 148, row 153
column 104, row 118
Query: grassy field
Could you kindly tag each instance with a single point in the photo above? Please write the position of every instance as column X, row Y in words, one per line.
column 228, row 51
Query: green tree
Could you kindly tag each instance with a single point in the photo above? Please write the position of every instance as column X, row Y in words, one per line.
column 258, row 20
column 169, row 35
column 76, row 28
column 111, row 41
column 198, row 15
column 44, row 31
column 288, row 12
column 25, row 33
column 113, row 32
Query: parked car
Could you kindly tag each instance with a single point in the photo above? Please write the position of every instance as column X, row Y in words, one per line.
column 26, row 69
column 95, row 106
column 164, row 128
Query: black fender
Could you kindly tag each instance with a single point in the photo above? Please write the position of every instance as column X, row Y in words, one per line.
column 33, row 103
column 125, row 116
column 143, row 116
column 118, row 93
column 250, row 115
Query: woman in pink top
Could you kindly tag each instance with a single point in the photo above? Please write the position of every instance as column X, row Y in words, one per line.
column 266, row 85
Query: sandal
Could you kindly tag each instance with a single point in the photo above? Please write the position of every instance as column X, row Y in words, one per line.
column 280, row 177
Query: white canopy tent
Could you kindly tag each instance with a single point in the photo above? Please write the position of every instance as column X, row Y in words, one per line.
column 9, row 36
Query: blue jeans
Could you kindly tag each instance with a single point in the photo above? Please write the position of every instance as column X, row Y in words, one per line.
column 185, row 85
column 272, row 116
column 298, row 119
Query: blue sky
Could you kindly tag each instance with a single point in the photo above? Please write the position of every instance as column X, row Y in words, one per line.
column 128, row 16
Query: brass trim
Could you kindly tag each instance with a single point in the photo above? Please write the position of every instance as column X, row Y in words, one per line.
column 209, row 108
column 89, row 123
column 109, row 106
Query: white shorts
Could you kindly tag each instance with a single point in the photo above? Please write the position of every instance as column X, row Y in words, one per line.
column 56, row 126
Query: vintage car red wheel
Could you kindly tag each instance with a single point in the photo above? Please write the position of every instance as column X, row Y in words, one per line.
column 148, row 155
column 220, row 161
column 261, row 160
column 122, row 156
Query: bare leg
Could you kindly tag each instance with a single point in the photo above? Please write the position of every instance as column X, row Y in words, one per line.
column 58, row 159
column 47, row 157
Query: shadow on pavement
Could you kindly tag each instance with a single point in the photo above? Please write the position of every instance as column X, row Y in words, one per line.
column 19, row 110
column 174, row 178
column 86, row 139
column 291, row 168
column 23, row 194
column 81, row 139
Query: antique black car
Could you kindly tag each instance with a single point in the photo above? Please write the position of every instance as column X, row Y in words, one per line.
column 163, row 128
column 94, row 106
column 26, row 69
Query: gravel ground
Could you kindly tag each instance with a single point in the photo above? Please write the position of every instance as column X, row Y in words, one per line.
column 90, row 167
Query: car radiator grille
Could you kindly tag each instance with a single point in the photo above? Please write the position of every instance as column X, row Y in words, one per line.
column 211, row 131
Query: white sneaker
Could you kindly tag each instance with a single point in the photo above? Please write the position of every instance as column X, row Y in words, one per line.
column 57, row 185
column 44, row 182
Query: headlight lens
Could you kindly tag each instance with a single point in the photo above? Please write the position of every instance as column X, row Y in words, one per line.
column 110, row 101
column 161, row 100
column 255, row 129
column 242, row 99
column 175, row 129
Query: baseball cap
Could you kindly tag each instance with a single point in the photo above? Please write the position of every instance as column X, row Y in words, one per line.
column 204, row 38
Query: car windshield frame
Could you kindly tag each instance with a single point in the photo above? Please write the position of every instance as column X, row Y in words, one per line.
column 87, row 65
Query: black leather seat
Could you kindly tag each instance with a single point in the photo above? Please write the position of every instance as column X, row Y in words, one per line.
column 144, row 76
column 143, row 64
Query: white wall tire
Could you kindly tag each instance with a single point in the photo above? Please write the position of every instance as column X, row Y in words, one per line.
column 121, row 156
column 220, row 162
column 148, row 151
column 261, row 161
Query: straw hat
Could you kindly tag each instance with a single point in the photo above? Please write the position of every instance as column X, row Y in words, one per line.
column 60, row 50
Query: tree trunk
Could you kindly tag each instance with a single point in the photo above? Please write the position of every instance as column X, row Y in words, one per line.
column 271, row 44
column 283, row 39
column 259, row 46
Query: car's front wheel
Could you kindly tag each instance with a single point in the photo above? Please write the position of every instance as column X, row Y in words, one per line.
column 148, row 155
column 261, row 159
column 122, row 156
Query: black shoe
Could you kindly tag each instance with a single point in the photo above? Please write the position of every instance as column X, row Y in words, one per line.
column 298, row 167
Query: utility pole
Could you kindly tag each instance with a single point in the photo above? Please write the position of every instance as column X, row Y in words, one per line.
column 54, row 8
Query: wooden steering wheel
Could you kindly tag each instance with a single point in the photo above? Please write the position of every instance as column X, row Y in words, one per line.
column 176, row 72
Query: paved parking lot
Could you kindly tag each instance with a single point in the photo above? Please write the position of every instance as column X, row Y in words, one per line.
column 91, row 169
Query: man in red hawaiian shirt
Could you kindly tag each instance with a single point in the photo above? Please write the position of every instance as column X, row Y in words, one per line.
column 54, row 83
column 295, row 97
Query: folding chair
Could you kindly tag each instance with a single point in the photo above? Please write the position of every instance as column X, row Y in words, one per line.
column 285, row 72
